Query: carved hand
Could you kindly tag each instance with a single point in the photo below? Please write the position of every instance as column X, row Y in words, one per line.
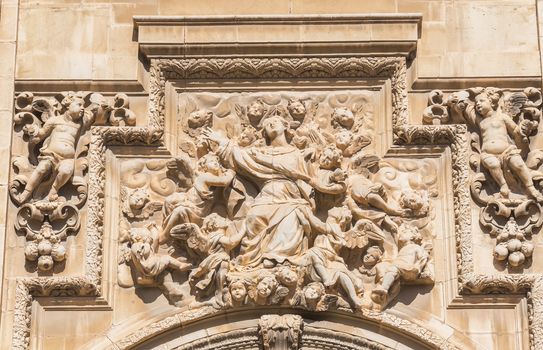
column 213, row 136
column 338, row 176
column 527, row 127
column 31, row 130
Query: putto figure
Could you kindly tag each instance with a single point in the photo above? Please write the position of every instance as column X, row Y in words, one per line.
column 60, row 135
column 152, row 266
column 407, row 265
column 500, row 136
column 196, row 203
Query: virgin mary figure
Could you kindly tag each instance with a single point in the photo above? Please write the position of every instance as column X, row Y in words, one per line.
column 278, row 222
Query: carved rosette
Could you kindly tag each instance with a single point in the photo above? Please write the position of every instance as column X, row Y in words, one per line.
column 506, row 176
column 49, row 185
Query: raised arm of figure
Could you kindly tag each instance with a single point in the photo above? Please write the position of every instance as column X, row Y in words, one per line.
column 213, row 136
column 230, row 242
column 43, row 132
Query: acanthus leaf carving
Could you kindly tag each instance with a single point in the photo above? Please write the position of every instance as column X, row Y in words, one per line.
column 281, row 332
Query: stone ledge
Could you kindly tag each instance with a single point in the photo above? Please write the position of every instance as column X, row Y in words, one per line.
column 386, row 34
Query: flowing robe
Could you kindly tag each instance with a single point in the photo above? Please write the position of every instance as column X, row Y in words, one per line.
column 277, row 221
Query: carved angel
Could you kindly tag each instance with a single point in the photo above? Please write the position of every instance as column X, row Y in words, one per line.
column 368, row 199
column 349, row 134
column 59, row 136
column 214, row 241
column 314, row 297
column 324, row 261
column 407, row 265
column 502, row 138
column 136, row 203
column 264, row 290
column 153, row 268
column 196, row 203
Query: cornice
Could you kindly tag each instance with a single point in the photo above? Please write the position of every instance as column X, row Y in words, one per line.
column 281, row 35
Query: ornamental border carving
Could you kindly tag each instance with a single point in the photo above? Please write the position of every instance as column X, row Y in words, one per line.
column 162, row 70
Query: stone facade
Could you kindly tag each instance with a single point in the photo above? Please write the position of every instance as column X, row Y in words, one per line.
column 271, row 175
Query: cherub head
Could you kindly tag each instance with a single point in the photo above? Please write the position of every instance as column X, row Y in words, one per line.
column 266, row 286
column 200, row 118
column 238, row 291
column 74, row 106
column 210, row 163
column 344, row 139
column 248, row 136
column 342, row 117
column 408, row 233
column 373, row 256
column 140, row 241
column 256, row 110
column 416, row 201
column 296, row 108
column 214, row 222
column 330, row 157
column 341, row 216
column 313, row 292
column 137, row 199
column 141, row 235
column 487, row 101
column 287, row 276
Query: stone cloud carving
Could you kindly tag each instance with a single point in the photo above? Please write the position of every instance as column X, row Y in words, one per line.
column 50, row 183
column 505, row 166
column 277, row 199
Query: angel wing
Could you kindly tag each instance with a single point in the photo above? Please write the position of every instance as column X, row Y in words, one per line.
column 327, row 302
column 513, row 104
column 360, row 141
column 183, row 168
column 241, row 112
column 195, row 238
column 279, row 295
column 46, row 107
column 150, row 208
column 362, row 233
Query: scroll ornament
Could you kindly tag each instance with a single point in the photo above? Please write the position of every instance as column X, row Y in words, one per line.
column 49, row 185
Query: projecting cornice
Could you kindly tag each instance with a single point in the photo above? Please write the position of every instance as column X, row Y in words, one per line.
column 287, row 35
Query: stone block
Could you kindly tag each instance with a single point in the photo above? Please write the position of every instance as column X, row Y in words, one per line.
column 343, row 6
column 223, row 7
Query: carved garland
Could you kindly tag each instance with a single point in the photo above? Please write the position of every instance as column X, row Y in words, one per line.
column 162, row 70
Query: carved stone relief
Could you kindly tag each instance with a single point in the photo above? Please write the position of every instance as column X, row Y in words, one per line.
column 50, row 182
column 277, row 199
column 506, row 177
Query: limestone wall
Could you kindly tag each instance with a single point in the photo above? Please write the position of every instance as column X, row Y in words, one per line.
column 51, row 46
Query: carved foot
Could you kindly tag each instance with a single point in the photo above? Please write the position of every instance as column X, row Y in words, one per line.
column 505, row 191
column 379, row 295
column 184, row 266
column 535, row 194
column 268, row 264
column 52, row 197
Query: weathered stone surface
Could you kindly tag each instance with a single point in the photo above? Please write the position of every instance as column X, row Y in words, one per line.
column 277, row 175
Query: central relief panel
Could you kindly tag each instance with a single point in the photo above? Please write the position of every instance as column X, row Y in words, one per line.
column 278, row 198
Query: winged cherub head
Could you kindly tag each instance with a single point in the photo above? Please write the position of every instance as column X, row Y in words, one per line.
column 210, row 163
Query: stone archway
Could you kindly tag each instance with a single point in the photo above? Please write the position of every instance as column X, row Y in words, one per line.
column 268, row 329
